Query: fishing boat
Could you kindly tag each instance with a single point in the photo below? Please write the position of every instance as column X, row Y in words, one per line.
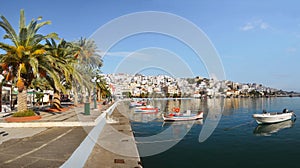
column 273, row 117
column 182, row 116
column 146, row 109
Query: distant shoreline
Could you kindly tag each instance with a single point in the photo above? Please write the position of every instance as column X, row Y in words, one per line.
column 182, row 98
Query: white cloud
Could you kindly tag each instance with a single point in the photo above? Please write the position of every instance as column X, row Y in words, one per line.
column 264, row 25
column 256, row 24
column 247, row 27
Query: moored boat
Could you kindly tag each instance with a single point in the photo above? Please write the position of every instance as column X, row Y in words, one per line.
column 182, row 116
column 273, row 117
column 146, row 109
column 137, row 103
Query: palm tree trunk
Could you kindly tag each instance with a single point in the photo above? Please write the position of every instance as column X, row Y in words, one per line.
column 56, row 100
column 98, row 95
column 22, row 100
column 83, row 95
column 75, row 96
column 90, row 96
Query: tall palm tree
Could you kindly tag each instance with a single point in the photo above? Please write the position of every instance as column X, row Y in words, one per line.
column 64, row 67
column 26, row 55
column 82, row 85
column 88, row 54
column 89, row 63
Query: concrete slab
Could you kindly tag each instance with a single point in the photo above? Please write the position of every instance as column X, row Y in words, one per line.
column 16, row 133
column 50, row 148
column 115, row 146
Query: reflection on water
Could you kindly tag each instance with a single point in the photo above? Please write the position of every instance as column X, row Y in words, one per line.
column 269, row 129
column 231, row 106
column 143, row 117
column 187, row 124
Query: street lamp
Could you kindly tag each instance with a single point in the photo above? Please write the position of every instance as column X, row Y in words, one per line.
column 95, row 81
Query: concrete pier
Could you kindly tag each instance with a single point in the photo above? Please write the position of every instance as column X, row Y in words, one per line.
column 115, row 146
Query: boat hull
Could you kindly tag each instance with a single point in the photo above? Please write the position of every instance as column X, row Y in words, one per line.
column 137, row 104
column 183, row 117
column 146, row 111
column 270, row 118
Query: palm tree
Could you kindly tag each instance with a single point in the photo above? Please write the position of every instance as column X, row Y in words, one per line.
column 83, row 84
column 63, row 68
column 102, row 88
column 89, row 64
column 88, row 54
column 26, row 55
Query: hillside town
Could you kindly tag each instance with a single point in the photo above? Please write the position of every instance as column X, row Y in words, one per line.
column 161, row 86
column 125, row 85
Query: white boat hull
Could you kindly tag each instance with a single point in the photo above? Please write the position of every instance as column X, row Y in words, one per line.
column 269, row 118
column 146, row 109
column 183, row 117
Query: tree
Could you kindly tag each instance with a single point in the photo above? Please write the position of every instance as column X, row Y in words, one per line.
column 26, row 55
column 87, row 53
column 102, row 88
column 63, row 69
column 89, row 66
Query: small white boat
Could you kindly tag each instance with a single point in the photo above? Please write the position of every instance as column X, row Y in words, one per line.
column 182, row 117
column 137, row 103
column 273, row 117
column 146, row 109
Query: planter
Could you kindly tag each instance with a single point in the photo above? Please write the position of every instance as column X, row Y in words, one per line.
column 23, row 119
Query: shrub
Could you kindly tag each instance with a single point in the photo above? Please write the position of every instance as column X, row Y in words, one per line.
column 25, row 113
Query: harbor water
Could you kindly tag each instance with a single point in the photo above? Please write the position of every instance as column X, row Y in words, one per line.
column 236, row 141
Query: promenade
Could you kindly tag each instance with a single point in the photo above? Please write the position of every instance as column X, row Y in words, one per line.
column 70, row 139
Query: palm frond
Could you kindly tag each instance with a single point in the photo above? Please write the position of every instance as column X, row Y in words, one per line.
column 22, row 20
column 9, row 30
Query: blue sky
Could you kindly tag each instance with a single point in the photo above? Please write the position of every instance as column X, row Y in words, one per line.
column 257, row 40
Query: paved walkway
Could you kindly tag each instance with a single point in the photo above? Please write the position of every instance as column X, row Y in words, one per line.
column 114, row 147
column 73, row 117
column 49, row 148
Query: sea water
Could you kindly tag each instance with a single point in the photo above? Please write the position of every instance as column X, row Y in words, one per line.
column 237, row 140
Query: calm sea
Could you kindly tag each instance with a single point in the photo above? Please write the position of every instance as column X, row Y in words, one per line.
column 237, row 141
